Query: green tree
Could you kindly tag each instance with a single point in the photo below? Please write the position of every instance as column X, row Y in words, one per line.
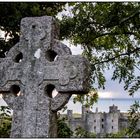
column 109, row 33
column 120, row 134
column 11, row 14
column 133, row 119
column 82, row 133
column 5, row 122
column 63, row 129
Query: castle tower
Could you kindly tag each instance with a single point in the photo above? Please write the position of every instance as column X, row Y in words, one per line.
column 69, row 114
column 96, row 111
column 85, row 110
column 112, row 119
column 113, row 109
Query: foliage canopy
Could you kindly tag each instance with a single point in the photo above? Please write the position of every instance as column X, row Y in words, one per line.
column 5, row 121
column 110, row 36
column 134, row 119
column 63, row 129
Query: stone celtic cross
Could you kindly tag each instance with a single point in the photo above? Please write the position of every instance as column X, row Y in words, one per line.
column 32, row 69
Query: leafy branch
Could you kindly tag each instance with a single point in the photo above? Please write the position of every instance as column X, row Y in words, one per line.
column 117, row 56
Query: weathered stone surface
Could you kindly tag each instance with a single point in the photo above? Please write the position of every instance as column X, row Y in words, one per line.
column 34, row 67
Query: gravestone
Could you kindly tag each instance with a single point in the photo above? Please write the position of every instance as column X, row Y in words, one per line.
column 32, row 69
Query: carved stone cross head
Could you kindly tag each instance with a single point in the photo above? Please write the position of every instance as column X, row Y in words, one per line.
column 33, row 68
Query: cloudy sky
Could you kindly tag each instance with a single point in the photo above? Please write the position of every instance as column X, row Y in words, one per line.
column 112, row 88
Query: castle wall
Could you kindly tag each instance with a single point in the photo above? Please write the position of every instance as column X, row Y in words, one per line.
column 111, row 123
column 72, row 122
column 123, row 121
column 92, row 122
column 75, row 123
column 100, row 123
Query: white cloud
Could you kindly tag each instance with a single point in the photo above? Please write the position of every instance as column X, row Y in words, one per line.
column 116, row 89
column 105, row 94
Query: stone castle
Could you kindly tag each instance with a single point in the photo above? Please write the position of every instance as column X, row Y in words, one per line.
column 98, row 122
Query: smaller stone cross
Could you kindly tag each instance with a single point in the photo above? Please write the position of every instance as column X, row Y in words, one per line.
column 33, row 68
